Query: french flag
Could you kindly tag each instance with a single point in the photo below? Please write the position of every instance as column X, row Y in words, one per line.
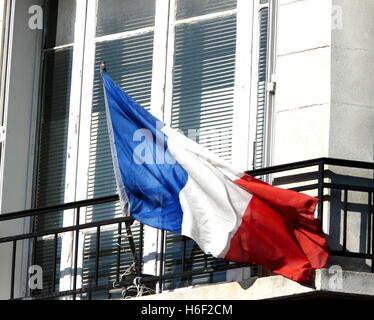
column 170, row 182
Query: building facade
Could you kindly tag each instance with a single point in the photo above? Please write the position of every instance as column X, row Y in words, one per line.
column 280, row 88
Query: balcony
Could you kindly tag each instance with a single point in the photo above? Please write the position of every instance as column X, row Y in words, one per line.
column 116, row 254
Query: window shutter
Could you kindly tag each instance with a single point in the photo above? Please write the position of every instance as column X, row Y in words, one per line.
column 259, row 153
column 52, row 155
column 129, row 63
column 203, row 88
column 203, row 83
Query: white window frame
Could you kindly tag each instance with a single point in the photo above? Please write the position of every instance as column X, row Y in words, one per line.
column 161, row 105
column 271, row 76
column 271, row 81
column 69, row 216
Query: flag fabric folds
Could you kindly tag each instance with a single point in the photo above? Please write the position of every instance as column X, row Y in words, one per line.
column 170, row 182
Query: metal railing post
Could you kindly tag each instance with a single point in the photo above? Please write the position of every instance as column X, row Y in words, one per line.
column 77, row 218
column 14, row 252
column 55, row 247
column 119, row 239
column 162, row 257
column 321, row 178
column 372, row 233
column 345, row 219
column 97, row 256
column 140, row 258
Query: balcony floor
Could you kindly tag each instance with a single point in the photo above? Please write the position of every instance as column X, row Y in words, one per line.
column 327, row 285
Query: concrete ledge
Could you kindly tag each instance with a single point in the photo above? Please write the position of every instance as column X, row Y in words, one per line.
column 327, row 283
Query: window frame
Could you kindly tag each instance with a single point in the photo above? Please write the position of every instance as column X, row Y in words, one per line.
column 161, row 101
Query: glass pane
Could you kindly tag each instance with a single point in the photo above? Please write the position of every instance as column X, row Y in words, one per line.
column 116, row 16
column 203, row 86
column 51, row 172
column 192, row 8
column 54, row 128
column 60, row 21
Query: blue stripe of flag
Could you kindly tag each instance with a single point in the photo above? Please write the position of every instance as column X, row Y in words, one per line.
column 152, row 187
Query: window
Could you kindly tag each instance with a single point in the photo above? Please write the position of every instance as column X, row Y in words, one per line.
column 188, row 61
column 53, row 130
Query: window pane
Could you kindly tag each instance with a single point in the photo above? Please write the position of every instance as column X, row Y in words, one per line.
column 61, row 21
column 204, row 74
column 116, row 16
column 192, row 8
column 54, row 128
column 51, row 172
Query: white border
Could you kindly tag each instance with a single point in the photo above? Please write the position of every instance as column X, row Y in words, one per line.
column 270, row 96
column 67, row 246
column 243, row 118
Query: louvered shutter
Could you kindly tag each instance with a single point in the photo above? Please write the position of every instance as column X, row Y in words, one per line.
column 259, row 153
column 129, row 63
column 203, row 82
column 52, row 156
column 203, row 88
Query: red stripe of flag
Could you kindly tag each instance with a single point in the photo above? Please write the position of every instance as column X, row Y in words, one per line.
column 279, row 231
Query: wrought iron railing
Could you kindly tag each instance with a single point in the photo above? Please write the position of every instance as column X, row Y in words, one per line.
column 345, row 189
column 334, row 180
